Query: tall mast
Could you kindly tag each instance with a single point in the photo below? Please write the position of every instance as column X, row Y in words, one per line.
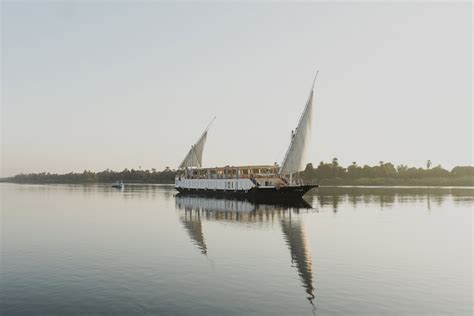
column 295, row 155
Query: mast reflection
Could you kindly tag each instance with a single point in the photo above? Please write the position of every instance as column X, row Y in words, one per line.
column 192, row 224
column 295, row 236
column 197, row 207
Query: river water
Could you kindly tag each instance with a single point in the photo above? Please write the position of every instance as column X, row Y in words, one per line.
column 95, row 250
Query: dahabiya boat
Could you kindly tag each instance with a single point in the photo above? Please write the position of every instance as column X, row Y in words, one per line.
column 274, row 182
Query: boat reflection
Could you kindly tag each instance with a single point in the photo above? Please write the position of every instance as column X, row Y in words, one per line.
column 195, row 208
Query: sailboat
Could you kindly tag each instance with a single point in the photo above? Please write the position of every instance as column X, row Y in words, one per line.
column 258, row 181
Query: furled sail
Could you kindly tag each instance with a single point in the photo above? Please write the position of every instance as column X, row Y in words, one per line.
column 194, row 156
column 295, row 156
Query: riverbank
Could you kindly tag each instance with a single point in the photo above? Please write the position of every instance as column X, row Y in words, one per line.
column 430, row 182
column 331, row 174
column 435, row 181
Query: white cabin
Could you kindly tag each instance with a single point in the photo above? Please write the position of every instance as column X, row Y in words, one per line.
column 230, row 178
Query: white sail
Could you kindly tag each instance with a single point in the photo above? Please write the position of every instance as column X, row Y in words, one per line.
column 295, row 156
column 194, row 156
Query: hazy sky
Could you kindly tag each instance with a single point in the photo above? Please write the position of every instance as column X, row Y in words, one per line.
column 121, row 85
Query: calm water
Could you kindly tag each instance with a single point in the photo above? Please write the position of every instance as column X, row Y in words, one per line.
column 94, row 250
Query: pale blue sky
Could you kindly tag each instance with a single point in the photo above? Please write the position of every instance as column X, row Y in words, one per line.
column 121, row 85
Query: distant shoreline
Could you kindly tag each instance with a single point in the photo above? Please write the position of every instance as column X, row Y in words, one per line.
column 325, row 174
column 465, row 181
column 469, row 182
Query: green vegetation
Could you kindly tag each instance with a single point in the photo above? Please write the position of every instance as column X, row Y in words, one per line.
column 324, row 174
column 386, row 174
column 107, row 176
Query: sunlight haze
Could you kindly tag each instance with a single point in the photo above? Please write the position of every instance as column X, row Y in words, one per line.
column 123, row 85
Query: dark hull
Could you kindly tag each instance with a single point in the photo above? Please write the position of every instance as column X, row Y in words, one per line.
column 297, row 203
column 256, row 193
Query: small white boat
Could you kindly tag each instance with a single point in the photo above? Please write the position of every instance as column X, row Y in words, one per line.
column 118, row 185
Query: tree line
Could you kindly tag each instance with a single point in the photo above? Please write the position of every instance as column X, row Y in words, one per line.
column 107, row 176
column 385, row 173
